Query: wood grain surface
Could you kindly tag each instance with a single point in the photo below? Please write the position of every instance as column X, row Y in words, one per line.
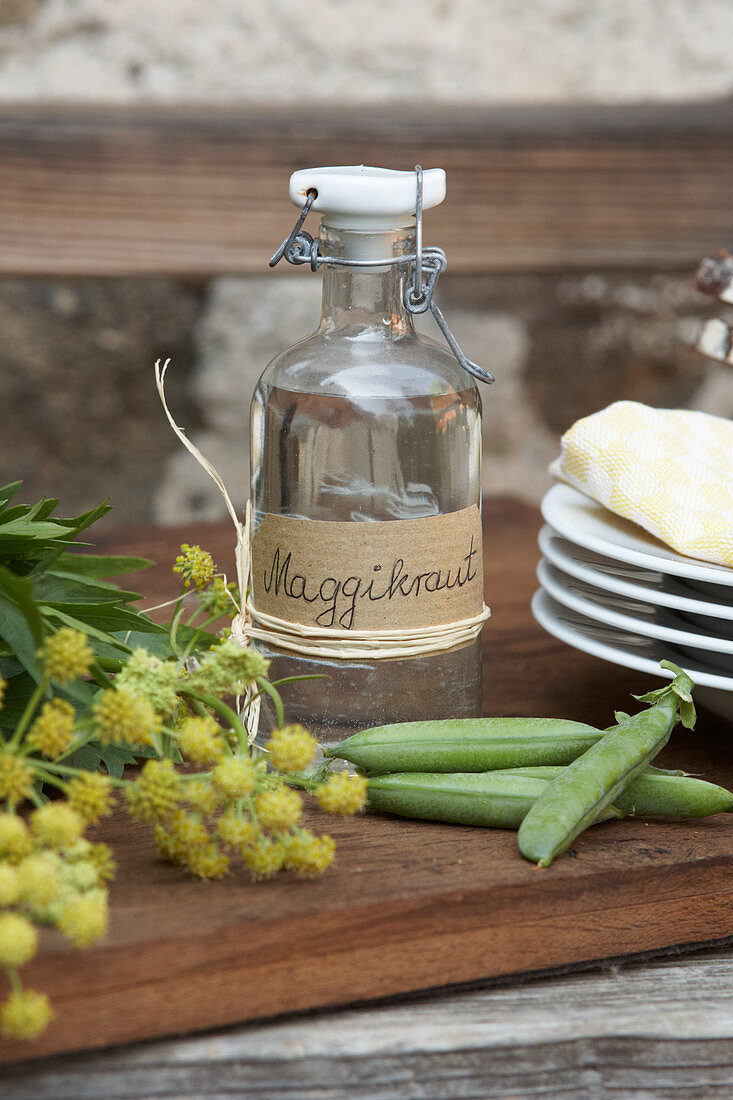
column 631, row 1030
column 196, row 192
column 408, row 906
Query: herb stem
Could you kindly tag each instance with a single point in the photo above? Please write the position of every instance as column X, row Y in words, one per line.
column 28, row 713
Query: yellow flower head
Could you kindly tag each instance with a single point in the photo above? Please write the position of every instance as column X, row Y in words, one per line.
column 199, row 739
column 39, row 881
column 90, row 794
column 291, row 748
column 53, row 730
column 221, row 598
column 156, row 793
column 101, row 856
column 124, row 719
column 9, row 885
column 196, row 566
column 18, row 940
column 151, row 678
column 25, row 1014
column 203, row 796
column 3, row 686
column 66, row 655
column 280, row 808
column 56, row 825
column 236, row 830
column 264, row 858
column 84, row 920
column 187, row 831
column 208, row 862
column 16, row 779
column 309, row 855
column 228, row 669
column 81, row 875
column 342, row 793
column 234, row 777
column 15, row 840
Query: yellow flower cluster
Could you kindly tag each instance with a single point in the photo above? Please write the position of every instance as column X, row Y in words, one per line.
column 90, row 794
column 291, row 749
column 49, row 874
column 56, row 825
column 238, row 808
column 150, row 678
column 200, row 740
column 195, row 566
column 53, row 730
column 84, row 920
column 342, row 793
column 279, row 808
column 16, row 779
column 15, row 839
column 66, row 655
column 228, row 669
column 156, row 794
column 124, row 719
column 234, row 777
column 25, row 1014
column 220, row 598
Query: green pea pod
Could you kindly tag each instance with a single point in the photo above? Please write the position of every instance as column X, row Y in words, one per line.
column 494, row 799
column 657, row 793
column 466, row 744
column 592, row 783
column 502, row 799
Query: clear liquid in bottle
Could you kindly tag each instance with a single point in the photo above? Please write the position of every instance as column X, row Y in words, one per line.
column 366, row 421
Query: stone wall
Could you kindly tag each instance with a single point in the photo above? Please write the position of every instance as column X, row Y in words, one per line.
column 80, row 418
column 383, row 51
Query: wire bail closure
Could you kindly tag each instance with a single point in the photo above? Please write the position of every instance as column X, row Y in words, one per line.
column 299, row 248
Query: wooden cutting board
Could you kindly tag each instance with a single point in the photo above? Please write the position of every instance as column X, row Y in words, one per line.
column 408, row 905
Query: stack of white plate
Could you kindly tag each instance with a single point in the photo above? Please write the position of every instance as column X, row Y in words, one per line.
column 610, row 589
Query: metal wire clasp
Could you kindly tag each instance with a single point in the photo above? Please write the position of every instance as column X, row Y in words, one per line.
column 300, row 247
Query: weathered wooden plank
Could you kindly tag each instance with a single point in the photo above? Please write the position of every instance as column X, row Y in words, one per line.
column 196, row 192
column 652, row 1031
column 408, row 905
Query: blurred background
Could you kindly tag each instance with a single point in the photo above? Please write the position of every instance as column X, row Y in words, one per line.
column 145, row 150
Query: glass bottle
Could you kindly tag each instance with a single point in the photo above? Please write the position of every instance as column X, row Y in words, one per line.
column 366, row 421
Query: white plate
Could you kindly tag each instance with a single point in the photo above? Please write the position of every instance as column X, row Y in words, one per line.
column 624, row 614
column 650, row 586
column 642, row 654
column 587, row 523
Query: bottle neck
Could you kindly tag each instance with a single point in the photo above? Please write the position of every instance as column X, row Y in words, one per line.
column 366, row 301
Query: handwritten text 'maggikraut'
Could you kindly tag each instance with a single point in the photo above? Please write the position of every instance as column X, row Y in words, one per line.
column 339, row 596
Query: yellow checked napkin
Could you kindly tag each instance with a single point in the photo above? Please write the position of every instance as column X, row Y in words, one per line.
column 669, row 470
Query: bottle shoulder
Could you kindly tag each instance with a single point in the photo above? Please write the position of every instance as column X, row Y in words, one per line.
column 365, row 365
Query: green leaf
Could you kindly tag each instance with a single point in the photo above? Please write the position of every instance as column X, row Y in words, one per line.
column 22, row 527
column 101, row 565
column 106, row 616
column 8, row 492
column 18, row 691
column 59, row 588
column 114, row 758
column 21, row 625
column 92, row 632
column 86, row 519
column 159, row 644
column 13, row 513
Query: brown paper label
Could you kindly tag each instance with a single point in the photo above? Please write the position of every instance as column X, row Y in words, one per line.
column 369, row 576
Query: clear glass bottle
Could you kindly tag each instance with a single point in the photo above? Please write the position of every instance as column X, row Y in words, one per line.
column 365, row 420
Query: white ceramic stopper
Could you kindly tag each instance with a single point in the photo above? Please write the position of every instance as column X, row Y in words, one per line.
column 370, row 199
